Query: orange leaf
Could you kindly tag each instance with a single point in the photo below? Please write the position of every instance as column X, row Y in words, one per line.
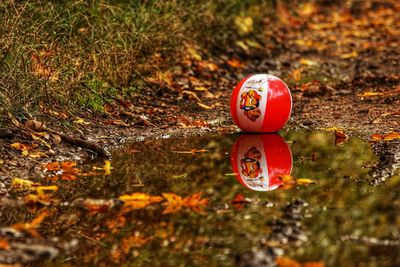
column 287, row 262
column 174, row 203
column 139, row 200
column 4, row 245
column 52, row 166
column 68, row 165
column 235, row 63
column 314, row 264
column 195, row 202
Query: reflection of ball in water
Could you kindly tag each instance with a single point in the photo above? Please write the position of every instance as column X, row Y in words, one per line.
column 259, row 159
column 261, row 103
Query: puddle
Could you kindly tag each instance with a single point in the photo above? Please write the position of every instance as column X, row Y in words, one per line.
column 251, row 216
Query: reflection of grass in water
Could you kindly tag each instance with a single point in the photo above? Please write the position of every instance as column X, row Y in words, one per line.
column 339, row 205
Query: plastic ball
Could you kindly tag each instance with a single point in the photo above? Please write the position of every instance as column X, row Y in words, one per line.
column 259, row 160
column 261, row 103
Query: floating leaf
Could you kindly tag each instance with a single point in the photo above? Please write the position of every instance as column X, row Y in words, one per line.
column 195, row 202
column 174, row 203
column 139, row 200
column 305, row 181
column 385, row 137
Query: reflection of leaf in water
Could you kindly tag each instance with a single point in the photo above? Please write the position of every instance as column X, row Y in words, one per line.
column 32, row 226
column 175, row 203
column 139, row 200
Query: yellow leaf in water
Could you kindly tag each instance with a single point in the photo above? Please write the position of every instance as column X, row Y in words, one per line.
column 139, row 200
column 107, row 167
column 305, row 181
column 174, row 203
column 41, row 189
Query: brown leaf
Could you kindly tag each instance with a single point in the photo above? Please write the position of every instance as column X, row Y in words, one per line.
column 35, row 125
column 235, row 63
column 340, row 137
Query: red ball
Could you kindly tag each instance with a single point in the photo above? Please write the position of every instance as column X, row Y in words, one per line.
column 259, row 160
column 261, row 103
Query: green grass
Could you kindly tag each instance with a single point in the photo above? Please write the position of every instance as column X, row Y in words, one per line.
column 50, row 49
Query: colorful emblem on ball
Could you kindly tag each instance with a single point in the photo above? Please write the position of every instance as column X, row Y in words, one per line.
column 261, row 103
column 259, row 160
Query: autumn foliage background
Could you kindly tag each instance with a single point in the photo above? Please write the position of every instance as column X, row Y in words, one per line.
column 75, row 53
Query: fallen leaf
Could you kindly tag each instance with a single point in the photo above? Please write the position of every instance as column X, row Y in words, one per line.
column 385, row 137
column 203, row 106
column 33, row 225
column 305, row 181
column 4, row 245
column 81, row 121
column 107, row 167
column 287, row 262
column 139, row 200
column 19, row 183
column 314, row 264
column 195, row 202
column 35, row 125
column 369, row 94
column 235, row 63
column 174, row 203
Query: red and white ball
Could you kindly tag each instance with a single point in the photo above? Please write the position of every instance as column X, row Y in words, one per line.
column 261, row 103
column 259, row 159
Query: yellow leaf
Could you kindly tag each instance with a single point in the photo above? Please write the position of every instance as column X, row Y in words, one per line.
column 174, row 203
column 349, row 55
column 244, row 24
column 41, row 189
column 23, row 184
column 194, row 54
column 81, row 121
column 107, row 167
column 305, row 181
column 139, row 200
column 21, row 147
column 203, row 106
column 369, row 94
